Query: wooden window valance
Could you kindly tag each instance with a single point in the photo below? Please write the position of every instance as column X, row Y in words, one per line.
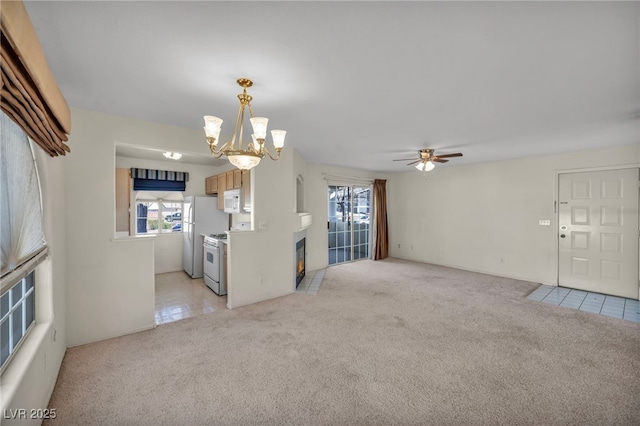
column 30, row 94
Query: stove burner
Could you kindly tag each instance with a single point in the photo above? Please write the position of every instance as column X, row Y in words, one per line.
column 218, row 236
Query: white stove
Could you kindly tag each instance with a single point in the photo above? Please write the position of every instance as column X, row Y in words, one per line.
column 215, row 254
column 214, row 239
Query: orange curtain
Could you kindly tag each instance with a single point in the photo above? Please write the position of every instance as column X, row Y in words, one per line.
column 381, row 243
column 30, row 95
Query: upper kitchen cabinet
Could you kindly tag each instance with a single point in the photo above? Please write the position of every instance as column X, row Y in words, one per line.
column 211, row 185
column 233, row 179
column 229, row 177
column 222, row 185
column 237, row 178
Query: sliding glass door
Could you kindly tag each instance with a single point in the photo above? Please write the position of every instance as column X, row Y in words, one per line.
column 349, row 223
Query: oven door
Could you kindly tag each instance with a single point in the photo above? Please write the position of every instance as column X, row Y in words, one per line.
column 211, row 260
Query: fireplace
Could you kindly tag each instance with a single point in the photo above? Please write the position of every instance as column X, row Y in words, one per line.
column 300, row 260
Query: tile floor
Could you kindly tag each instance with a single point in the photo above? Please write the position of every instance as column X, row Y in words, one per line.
column 311, row 282
column 178, row 296
column 611, row 306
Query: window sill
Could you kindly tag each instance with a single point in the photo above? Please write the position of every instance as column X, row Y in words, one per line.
column 127, row 238
column 17, row 368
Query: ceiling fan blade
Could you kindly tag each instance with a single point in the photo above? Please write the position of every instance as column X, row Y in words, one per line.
column 457, row 154
column 405, row 159
column 438, row 160
column 417, row 161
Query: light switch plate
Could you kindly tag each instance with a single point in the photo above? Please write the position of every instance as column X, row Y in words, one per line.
column 545, row 222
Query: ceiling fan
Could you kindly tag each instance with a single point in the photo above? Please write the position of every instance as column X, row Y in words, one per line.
column 426, row 159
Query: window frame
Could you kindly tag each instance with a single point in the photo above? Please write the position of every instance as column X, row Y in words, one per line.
column 13, row 306
column 161, row 216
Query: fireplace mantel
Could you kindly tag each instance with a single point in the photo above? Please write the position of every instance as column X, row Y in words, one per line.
column 303, row 221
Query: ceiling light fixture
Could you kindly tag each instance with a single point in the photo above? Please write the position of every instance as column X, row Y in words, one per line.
column 250, row 157
column 425, row 166
column 172, row 155
column 426, row 161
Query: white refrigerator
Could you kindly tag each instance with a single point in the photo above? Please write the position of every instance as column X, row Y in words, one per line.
column 201, row 217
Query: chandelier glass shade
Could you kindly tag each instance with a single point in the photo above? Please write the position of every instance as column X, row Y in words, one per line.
column 250, row 156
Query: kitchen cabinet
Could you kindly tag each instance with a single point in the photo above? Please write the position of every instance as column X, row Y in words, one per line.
column 233, row 179
column 237, row 178
column 229, row 177
column 222, row 185
column 123, row 186
column 211, row 185
column 246, row 189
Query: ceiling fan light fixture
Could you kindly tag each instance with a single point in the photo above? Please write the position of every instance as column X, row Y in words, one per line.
column 426, row 161
column 425, row 166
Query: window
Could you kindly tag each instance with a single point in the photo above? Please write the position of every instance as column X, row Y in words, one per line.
column 158, row 215
column 21, row 237
column 17, row 312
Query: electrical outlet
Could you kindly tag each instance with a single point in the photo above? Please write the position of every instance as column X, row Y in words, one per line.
column 544, row 222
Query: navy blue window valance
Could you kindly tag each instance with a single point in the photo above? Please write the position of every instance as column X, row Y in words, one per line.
column 158, row 180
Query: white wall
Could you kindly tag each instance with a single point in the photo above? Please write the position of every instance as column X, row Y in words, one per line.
column 31, row 376
column 110, row 283
column 259, row 261
column 485, row 217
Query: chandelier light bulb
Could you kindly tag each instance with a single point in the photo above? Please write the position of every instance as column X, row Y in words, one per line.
column 259, row 126
column 212, row 126
column 278, row 138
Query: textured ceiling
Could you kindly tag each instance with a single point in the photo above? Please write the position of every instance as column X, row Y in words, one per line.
column 359, row 84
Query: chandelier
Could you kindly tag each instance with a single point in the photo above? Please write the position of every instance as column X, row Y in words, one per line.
column 250, row 157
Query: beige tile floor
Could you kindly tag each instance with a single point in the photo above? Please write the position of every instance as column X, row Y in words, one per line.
column 178, row 296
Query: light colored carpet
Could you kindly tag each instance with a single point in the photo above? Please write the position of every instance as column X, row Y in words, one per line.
column 386, row 342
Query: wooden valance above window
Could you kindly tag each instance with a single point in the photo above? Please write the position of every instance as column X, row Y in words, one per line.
column 30, row 94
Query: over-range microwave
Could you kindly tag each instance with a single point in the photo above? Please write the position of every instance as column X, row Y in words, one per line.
column 233, row 201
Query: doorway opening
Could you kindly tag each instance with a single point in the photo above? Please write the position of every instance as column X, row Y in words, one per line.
column 349, row 223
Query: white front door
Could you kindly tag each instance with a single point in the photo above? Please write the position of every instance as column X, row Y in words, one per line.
column 598, row 232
